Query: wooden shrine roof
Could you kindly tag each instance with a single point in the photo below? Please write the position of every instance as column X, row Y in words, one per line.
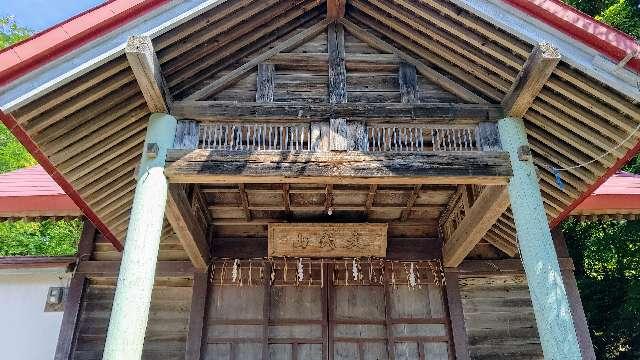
column 86, row 122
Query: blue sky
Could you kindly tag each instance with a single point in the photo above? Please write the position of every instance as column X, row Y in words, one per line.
column 38, row 15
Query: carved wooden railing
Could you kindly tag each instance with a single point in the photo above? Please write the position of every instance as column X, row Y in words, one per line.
column 370, row 137
column 458, row 207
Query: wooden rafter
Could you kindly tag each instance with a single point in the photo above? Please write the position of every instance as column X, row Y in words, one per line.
column 208, row 166
column 487, row 208
column 244, row 200
column 146, row 69
column 536, row 71
column 286, row 198
column 336, row 9
column 410, row 203
column 223, row 110
column 328, row 199
column 371, row 197
column 181, row 217
column 238, row 73
column 423, row 69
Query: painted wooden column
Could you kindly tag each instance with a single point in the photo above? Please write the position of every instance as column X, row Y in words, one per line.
column 129, row 315
column 539, row 258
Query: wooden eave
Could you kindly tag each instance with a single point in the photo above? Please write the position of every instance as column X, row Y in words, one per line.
column 92, row 128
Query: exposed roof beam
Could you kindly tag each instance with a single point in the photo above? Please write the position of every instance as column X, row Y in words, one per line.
column 423, row 69
column 336, row 9
column 191, row 234
column 222, row 110
column 536, row 71
column 487, row 208
column 238, row 73
column 210, row 166
column 410, row 203
column 146, row 68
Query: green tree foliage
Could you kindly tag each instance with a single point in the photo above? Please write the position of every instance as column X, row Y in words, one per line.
column 11, row 33
column 623, row 15
column 42, row 238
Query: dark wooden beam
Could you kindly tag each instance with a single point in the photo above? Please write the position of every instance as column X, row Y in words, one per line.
column 535, row 73
column 299, row 111
column 192, row 235
column 422, row 68
column 337, row 70
column 73, row 301
column 208, row 166
column 146, row 69
column 371, row 197
column 458, row 327
column 244, row 202
column 187, row 135
column 408, row 79
column 336, row 9
column 486, row 209
column 410, row 202
column 237, row 74
column 328, row 198
column 197, row 315
column 286, row 198
column 111, row 268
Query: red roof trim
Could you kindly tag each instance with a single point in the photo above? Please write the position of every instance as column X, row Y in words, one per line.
column 31, row 146
column 69, row 35
column 51, row 205
column 599, row 36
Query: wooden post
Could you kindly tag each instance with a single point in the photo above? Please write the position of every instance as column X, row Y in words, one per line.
column 197, row 315
column 129, row 316
column 458, row 328
column 548, row 294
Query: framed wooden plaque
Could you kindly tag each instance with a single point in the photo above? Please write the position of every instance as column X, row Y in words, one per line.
column 328, row 240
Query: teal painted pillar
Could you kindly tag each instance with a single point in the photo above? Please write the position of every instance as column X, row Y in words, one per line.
column 548, row 295
column 130, row 310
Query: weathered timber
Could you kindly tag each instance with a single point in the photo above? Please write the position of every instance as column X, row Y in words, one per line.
column 69, row 324
column 238, row 73
column 110, row 269
column 319, row 137
column 338, row 135
column 487, row 208
column 86, row 243
column 423, row 69
column 504, row 266
column 354, row 240
column 223, row 110
column 488, row 136
column 320, row 61
column 244, row 201
column 536, row 71
column 408, row 79
column 410, row 203
column 203, row 166
column 187, row 134
column 458, row 329
column 197, row 315
column 357, row 139
column 265, row 83
column 337, row 71
column 336, row 9
column 146, row 68
column 180, row 216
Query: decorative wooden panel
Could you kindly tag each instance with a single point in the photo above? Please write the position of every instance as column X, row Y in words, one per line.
column 328, row 240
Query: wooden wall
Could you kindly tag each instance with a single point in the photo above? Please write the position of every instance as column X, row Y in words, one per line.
column 168, row 320
column 499, row 318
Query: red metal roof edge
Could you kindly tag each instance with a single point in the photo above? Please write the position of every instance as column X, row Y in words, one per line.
column 60, row 205
column 69, row 35
column 580, row 26
column 31, row 146
column 29, row 262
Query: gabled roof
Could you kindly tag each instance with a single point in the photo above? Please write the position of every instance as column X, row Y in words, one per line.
column 581, row 113
column 31, row 192
column 617, row 197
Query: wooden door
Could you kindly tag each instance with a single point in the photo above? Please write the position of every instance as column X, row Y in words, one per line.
column 326, row 315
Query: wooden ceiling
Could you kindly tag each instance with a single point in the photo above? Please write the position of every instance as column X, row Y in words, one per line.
column 92, row 128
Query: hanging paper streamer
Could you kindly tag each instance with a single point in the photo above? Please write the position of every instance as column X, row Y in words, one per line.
column 559, row 182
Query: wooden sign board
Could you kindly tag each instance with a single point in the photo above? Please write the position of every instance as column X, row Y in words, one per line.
column 328, row 240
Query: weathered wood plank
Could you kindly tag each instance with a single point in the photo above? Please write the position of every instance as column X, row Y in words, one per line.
column 424, row 70
column 536, row 71
column 408, row 79
column 223, row 110
column 203, row 166
column 488, row 136
column 197, row 315
column 487, row 208
column 64, row 349
column 146, row 68
column 458, row 329
column 265, row 83
column 236, row 74
column 336, row 9
column 185, row 225
column 357, row 139
column 337, row 71
column 111, row 268
column 187, row 135
column 319, row 140
column 338, row 135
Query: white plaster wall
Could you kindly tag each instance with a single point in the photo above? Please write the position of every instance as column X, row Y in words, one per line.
column 26, row 331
